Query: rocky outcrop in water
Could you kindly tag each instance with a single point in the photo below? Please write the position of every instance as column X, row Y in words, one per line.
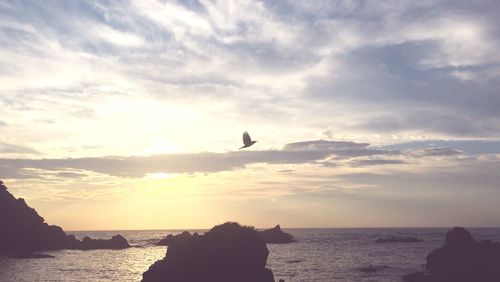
column 23, row 231
column 276, row 236
column 399, row 239
column 172, row 239
column 227, row 253
column 461, row 259
column 29, row 256
column 372, row 268
column 115, row 243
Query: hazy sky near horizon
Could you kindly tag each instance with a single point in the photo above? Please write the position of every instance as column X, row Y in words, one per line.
column 128, row 114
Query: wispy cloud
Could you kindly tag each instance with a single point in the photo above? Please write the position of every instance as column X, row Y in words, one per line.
column 320, row 153
column 6, row 148
column 140, row 166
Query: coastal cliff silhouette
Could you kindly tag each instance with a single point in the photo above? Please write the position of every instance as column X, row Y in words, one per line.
column 24, row 231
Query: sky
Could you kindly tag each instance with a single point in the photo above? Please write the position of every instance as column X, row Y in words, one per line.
column 129, row 114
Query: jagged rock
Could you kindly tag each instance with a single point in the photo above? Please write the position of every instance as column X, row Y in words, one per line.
column 462, row 259
column 176, row 239
column 227, row 253
column 115, row 243
column 276, row 236
column 399, row 239
column 23, row 231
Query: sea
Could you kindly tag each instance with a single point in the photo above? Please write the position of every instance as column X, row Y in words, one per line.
column 332, row 254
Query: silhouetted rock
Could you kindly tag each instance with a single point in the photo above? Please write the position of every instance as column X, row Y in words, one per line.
column 462, row 259
column 417, row 277
column 227, row 253
column 372, row 268
column 276, row 236
column 115, row 243
column 175, row 239
column 29, row 255
column 399, row 239
column 23, row 231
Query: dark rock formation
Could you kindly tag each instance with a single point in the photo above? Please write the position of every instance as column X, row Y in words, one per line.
column 399, row 239
column 461, row 259
column 227, row 253
column 23, row 231
column 417, row 277
column 176, row 239
column 115, row 243
column 29, row 256
column 372, row 268
column 276, row 236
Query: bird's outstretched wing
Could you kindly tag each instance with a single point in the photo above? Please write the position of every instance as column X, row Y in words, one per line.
column 246, row 139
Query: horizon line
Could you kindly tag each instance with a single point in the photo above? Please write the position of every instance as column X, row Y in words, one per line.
column 289, row 228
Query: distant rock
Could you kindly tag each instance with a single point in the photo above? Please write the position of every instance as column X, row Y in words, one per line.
column 294, row 261
column 372, row 268
column 115, row 243
column 23, row 231
column 399, row 239
column 276, row 236
column 461, row 259
column 176, row 239
column 227, row 253
column 29, row 256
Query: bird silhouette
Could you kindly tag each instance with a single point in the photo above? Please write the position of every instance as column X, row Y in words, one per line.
column 247, row 141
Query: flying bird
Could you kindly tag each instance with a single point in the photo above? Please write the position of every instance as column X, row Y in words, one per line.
column 247, row 141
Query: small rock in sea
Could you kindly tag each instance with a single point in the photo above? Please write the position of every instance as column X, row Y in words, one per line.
column 29, row 256
column 176, row 239
column 294, row 261
column 399, row 239
column 115, row 243
column 276, row 236
column 372, row 268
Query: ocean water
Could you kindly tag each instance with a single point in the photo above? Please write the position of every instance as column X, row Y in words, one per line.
column 319, row 255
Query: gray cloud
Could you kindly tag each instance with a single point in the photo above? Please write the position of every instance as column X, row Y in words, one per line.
column 431, row 121
column 321, row 152
column 139, row 166
column 435, row 152
column 372, row 162
column 70, row 175
column 471, row 147
column 7, row 148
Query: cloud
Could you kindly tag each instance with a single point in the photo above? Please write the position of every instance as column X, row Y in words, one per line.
column 139, row 166
column 322, row 153
column 449, row 147
column 365, row 69
column 435, row 152
column 371, row 162
column 6, row 148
